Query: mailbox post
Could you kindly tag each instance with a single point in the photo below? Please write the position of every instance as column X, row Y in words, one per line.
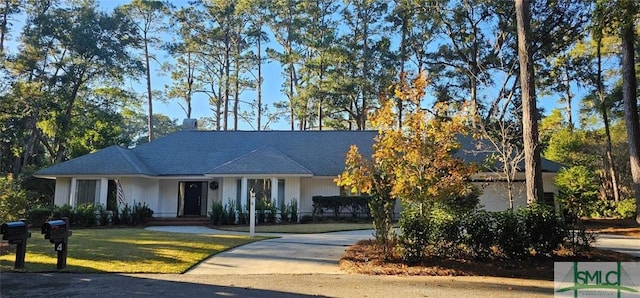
column 58, row 233
column 17, row 232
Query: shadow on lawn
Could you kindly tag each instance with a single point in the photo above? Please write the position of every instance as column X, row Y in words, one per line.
column 7, row 266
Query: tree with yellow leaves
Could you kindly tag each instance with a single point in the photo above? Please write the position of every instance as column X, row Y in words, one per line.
column 412, row 160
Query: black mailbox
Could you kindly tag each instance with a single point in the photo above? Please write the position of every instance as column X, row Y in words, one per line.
column 55, row 230
column 16, row 232
column 58, row 232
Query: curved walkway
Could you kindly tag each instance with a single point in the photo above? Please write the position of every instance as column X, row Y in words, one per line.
column 288, row 254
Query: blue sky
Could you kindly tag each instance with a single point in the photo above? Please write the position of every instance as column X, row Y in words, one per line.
column 272, row 82
column 272, row 76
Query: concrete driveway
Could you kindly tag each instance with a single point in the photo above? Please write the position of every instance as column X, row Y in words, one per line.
column 624, row 244
column 288, row 254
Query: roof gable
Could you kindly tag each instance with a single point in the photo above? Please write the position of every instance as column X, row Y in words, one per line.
column 112, row 160
column 260, row 161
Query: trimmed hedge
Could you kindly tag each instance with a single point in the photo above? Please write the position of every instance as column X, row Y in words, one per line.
column 38, row 216
column 89, row 215
column 478, row 234
column 354, row 205
column 266, row 212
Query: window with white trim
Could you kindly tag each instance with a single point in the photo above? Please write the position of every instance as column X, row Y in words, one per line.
column 87, row 192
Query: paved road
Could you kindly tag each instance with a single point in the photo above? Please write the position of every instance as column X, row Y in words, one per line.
column 276, row 285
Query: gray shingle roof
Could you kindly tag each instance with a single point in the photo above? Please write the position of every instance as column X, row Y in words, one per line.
column 112, row 160
column 478, row 150
column 187, row 153
column 320, row 153
column 253, row 163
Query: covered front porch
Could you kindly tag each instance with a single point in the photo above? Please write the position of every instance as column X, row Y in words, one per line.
column 176, row 197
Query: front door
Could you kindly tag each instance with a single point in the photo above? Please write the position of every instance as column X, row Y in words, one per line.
column 192, row 196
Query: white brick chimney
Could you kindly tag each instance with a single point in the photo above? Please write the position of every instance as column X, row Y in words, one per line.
column 189, row 124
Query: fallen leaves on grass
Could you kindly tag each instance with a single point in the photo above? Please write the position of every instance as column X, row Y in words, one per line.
column 631, row 232
column 625, row 227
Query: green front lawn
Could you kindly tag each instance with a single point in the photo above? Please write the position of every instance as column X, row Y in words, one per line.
column 127, row 250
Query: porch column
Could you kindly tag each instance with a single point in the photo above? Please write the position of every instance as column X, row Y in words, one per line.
column 274, row 190
column 72, row 192
column 252, row 206
column 104, row 190
column 243, row 193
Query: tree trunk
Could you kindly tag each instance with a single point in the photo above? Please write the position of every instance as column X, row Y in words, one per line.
column 365, row 72
column 219, row 99
column 24, row 159
column 321, row 100
column 320, row 113
column 629, row 96
column 190, row 74
column 292, row 107
column 605, row 119
column 567, row 102
column 533, row 171
column 227, row 63
column 259, row 85
column 3, row 27
column 236, row 91
column 149, row 96
column 473, row 94
column 403, row 60
column 65, row 123
column 288, row 51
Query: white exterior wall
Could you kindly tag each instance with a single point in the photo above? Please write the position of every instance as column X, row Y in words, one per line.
column 494, row 194
column 213, row 195
column 228, row 189
column 62, row 191
column 310, row 187
column 495, row 198
column 168, row 202
column 292, row 191
column 548, row 182
column 142, row 190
